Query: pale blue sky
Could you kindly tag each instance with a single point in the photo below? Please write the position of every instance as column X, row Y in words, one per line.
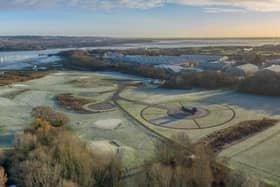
column 141, row 18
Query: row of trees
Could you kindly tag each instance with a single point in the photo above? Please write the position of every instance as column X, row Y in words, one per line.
column 83, row 60
column 208, row 80
column 263, row 83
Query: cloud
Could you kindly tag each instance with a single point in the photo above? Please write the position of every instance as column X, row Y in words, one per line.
column 223, row 10
column 253, row 5
column 223, row 5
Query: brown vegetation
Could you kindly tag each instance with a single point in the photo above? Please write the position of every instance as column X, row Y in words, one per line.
column 56, row 119
column 73, row 103
column 12, row 77
column 181, row 168
column 226, row 137
column 48, row 157
column 3, row 177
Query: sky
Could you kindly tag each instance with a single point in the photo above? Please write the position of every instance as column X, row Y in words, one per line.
column 141, row 18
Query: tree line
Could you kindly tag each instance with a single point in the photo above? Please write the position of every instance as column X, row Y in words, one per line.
column 262, row 83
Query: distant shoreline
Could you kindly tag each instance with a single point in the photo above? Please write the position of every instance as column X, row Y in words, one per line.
column 34, row 43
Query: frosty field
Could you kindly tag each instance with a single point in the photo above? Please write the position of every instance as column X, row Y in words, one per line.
column 127, row 117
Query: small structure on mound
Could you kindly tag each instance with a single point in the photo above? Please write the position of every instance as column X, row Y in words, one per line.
column 187, row 112
column 192, row 110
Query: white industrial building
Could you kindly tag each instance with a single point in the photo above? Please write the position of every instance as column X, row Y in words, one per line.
column 171, row 68
column 242, row 70
column 273, row 68
column 157, row 60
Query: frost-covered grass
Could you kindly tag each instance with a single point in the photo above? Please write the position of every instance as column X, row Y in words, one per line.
column 258, row 155
column 136, row 142
column 215, row 117
column 129, row 135
column 108, row 124
column 262, row 156
column 154, row 96
column 194, row 134
column 15, row 115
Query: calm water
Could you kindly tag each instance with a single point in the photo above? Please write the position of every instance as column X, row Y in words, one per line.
column 177, row 43
column 28, row 59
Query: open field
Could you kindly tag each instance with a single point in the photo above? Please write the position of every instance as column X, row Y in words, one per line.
column 131, row 117
column 18, row 101
column 258, row 155
column 222, row 105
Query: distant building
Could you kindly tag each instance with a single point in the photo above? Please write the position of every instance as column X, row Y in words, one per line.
column 230, row 62
column 111, row 55
column 191, row 69
column 248, row 49
column 223, row 59
column 273, row 68
column 211, row 66
column 243, row 70
column 171, row 68
column 187, row 60
column 248, row 68
column 273, row 61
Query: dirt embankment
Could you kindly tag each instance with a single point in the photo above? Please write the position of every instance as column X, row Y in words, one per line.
column 11, row 77
column 224, row 138
column 74, row 103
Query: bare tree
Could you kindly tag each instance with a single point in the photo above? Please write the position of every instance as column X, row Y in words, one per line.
column 3, row 177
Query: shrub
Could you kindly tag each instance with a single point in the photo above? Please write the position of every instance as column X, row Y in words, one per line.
column 196, row 173
column 41, row 125
column 37, row 173
column 202, row 169
column 171, row 153
column 3, row 177
column 56, row 119
column 55, row 157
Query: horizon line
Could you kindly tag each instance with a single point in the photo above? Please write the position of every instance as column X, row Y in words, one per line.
column 138, row 37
